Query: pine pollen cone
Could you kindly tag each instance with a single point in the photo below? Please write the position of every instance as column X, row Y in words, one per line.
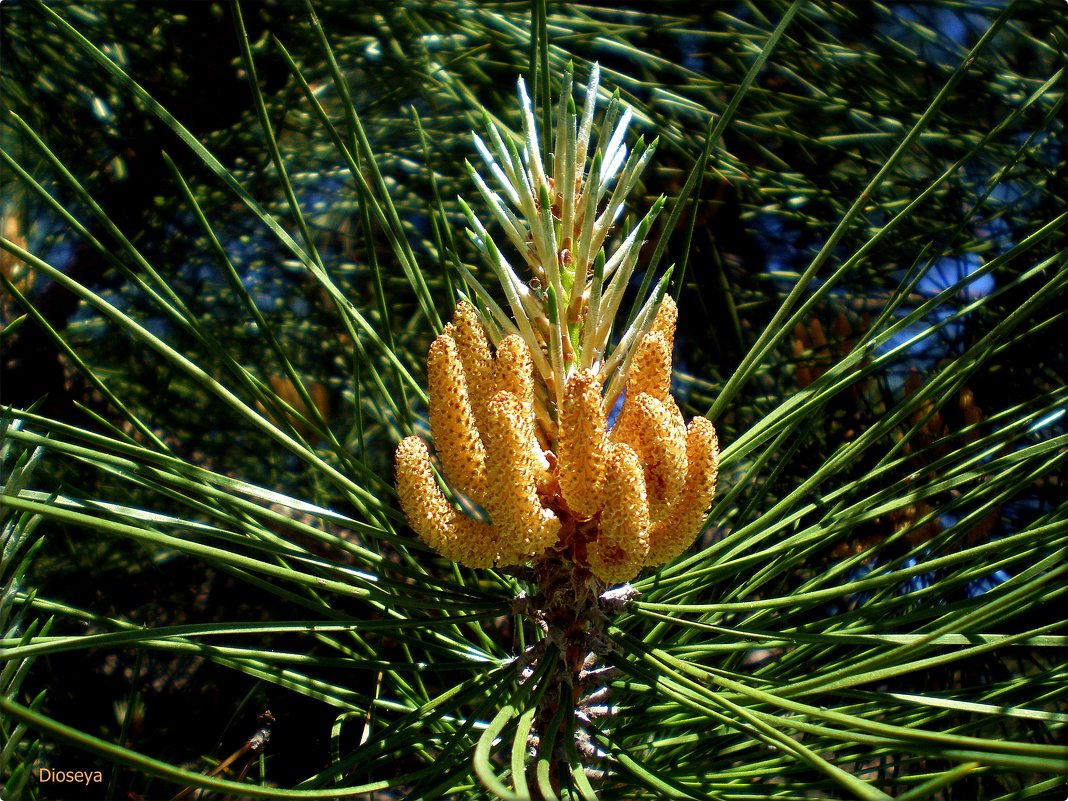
column 639, row 492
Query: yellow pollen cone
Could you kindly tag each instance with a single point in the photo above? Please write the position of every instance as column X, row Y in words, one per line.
column 622, row 543
column 438, row 524
column 666, row 317
column 581, row 445
column 452, row 422
column 658, row 437
column 649, row 374
column 650, row 370
column 514, row 370
column 514, row 373
column 674, row 534
column 524, row 526
column 471, row 343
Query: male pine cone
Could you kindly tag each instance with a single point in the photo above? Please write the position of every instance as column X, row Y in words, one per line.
column 614, row 500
